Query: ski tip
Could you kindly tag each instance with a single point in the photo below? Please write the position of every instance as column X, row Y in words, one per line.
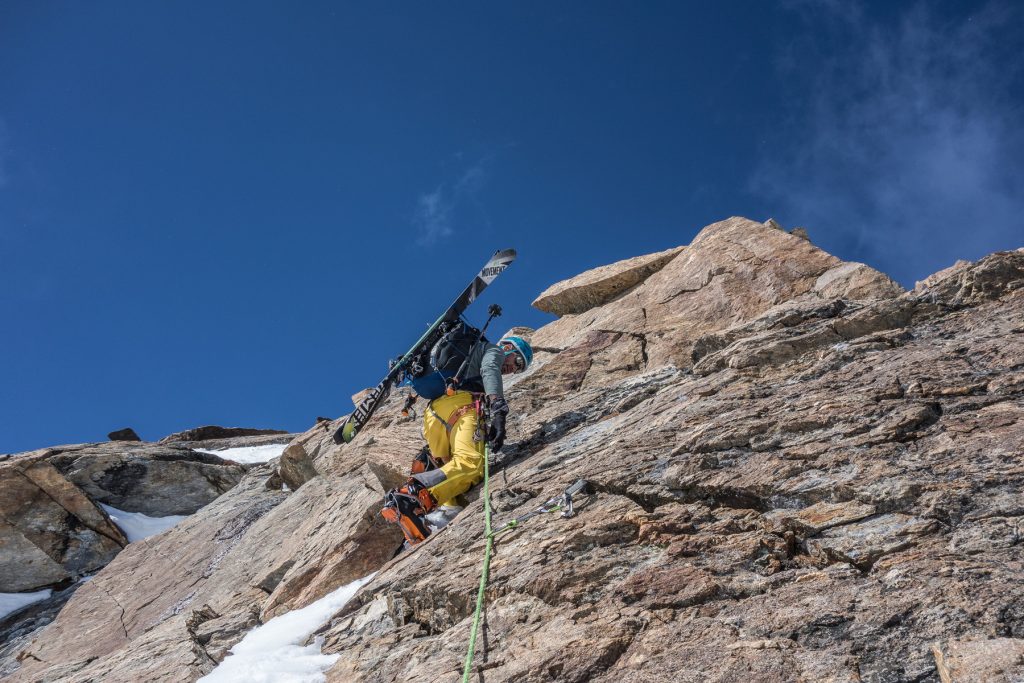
column 504, row 253
column 348, row 431
column 345, row 433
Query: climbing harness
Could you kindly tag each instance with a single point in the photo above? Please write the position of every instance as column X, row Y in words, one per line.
column 561, row 502
column 407, row 506
column 457, row 414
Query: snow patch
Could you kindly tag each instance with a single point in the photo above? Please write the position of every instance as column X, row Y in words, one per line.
column 12, row 602
column 248, row 455
column 272, row 653
column 137, row 526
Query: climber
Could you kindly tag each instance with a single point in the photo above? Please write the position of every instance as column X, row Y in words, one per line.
column 451, row 426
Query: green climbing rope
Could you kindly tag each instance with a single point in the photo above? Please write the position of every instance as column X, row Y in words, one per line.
column 559, row 503
column 483, row 572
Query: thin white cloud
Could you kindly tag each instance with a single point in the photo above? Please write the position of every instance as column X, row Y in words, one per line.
column 910, row 153
column 435, row 214
column 471, row 181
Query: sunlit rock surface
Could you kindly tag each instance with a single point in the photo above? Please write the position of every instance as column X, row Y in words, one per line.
column 49, row 530
column 800, row 472
column 152, row 479
column 601, row 285
column 55, row 532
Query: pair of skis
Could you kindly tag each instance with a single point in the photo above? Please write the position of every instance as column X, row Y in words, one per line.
column 364, row 411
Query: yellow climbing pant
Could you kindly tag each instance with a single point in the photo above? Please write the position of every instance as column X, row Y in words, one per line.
column 451, row 441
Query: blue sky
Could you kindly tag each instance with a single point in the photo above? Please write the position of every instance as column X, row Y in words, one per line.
column 233, row 213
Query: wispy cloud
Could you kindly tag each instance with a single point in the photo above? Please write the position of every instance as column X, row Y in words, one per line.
column 910, row 153
column 433, row 216
column 436, row 212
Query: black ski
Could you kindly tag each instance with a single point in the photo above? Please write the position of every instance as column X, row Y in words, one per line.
column 361, row 415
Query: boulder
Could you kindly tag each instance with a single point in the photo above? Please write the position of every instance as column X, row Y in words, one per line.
column 296, row 467
column 156, row 480
column 214, row 432
column 856, row 281
column 601, row 285
column 126, row 434
column 50, row 531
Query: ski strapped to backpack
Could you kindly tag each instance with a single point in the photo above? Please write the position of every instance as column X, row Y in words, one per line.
column 364, row 411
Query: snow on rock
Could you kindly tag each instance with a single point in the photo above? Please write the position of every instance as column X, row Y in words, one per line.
column 137, row 526
column 12, row 602
column 248, row 454
column 272, row 653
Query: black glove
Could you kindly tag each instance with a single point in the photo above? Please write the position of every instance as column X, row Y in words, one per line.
column 498, row 410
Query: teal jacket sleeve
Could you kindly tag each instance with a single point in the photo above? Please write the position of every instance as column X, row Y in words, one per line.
column 485, row 362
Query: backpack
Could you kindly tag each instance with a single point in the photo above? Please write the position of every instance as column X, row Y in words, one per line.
column 444, row 362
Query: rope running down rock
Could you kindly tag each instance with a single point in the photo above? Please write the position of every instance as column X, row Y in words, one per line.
column 559, row 503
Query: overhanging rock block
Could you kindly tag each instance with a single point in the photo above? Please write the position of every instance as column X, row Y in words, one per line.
column 601, row 285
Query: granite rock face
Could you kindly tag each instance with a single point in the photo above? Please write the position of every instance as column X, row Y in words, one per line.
column 156, row 480
column 732, row 272
column 828, row 509
column 169, row 607
column 50, row 531
column 999, row 660
column 797, row 471
column 964, row 283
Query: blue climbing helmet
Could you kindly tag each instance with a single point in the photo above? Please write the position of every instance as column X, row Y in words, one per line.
column 518, row 346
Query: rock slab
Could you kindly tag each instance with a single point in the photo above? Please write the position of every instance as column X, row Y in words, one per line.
column 156, row 480
column 50, row 531
column 601, row 285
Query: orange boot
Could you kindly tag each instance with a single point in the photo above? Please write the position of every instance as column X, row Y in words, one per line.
column 406, row 506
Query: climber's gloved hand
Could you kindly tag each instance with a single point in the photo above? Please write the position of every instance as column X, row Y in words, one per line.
column 498, row 409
